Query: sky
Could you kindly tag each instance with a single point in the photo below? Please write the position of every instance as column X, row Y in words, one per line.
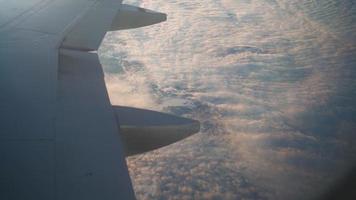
column 271, row 81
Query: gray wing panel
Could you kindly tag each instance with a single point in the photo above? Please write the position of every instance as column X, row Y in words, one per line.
column 58, row 134
column 27, row 84
column 90, row 163
column 27, row 99
column 88, row 33
column 27, row 113
column 27, row 169
column 12, row 10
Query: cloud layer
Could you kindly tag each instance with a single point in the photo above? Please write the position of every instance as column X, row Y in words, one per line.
column 272, row 82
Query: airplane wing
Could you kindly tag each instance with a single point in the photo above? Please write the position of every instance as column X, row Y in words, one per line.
column 59, row 134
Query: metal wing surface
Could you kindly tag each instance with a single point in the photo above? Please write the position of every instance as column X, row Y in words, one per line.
column 60, row 137
column 58, row 133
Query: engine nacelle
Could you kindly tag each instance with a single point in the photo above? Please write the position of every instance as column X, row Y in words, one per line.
column 134, row 17
column 145, row 130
